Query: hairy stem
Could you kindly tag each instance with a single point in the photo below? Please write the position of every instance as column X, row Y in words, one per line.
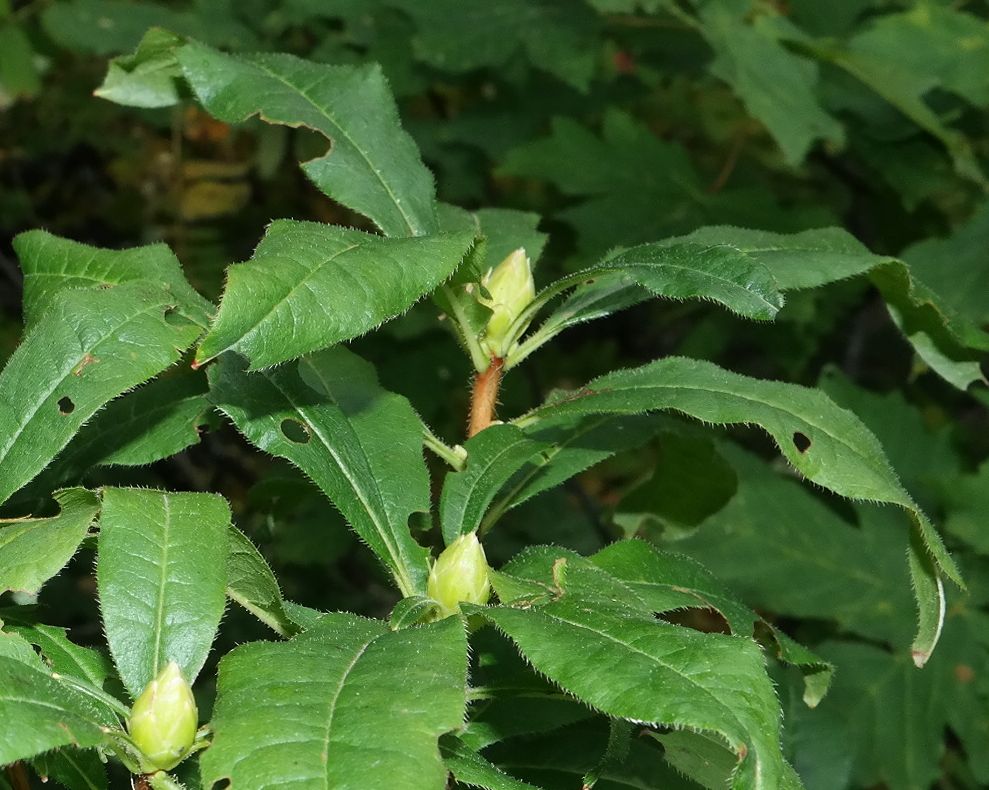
column 484, row 397
column 454, row 456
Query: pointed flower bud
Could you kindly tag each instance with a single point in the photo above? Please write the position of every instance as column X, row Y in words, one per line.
column 512, row 288
column 460, row 574
column 164, row 718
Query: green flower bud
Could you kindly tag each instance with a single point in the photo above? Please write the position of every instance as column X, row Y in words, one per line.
column 163, row 721
column 460, row 574
column 512, row 288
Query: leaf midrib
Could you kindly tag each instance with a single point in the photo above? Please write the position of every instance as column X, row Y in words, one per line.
column 318, row 268
column 331, row 712
column 729, row 714
column 404, row 582
column 162, row 580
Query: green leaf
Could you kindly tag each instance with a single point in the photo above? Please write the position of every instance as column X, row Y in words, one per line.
column 150, row 77
column 19, row 76
column 955, row 47
column 505, row 230
column 956, row 268
column 65, row 656
column 690, row 481
column 161, row 572
column 668, row 582
column 719, row 273
column 627, row 172
column 493, row 457
column 17, row 648
column 352, row 281
column 557, row 37
column 776, row 86
column 825, row 443
column 470, row 768
column 704, row 759
column 901, row 88
column 346, row 703
column 593, row 299
column 412, row 611
column 40, row 714
column 595, row 641
column 94, row 346
column 943, row 338
column 105, row 27
column 32, row 550
column 560, row 761
column 251, row 583
column 360, row 444
column 373, row 166
column 74, row 769
column 784, row 550
column 569, row 447
column 53, row 265
column 154, row 422
column 967, row 500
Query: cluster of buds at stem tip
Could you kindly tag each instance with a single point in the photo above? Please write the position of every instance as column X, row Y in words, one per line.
column 511, row 289
column 164, row 719
column 460, row 574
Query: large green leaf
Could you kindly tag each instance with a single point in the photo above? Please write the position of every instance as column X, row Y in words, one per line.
column 348, row 703
column 89, row 347
column 593, row 636
column 40, row 714
column 825, row 443
column 309, row 286
column 667, row 582
column 373, row 166
column 360, row 444
column 161, row 573
column 52, row 265
column 32, row 550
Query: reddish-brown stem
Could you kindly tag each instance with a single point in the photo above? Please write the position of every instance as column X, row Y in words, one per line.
column 484, row 398
column 141, row 782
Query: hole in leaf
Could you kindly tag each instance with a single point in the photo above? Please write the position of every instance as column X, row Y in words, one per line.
column 295, row 431
column 801, row 441
column 700, row 618
column 66, row 406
